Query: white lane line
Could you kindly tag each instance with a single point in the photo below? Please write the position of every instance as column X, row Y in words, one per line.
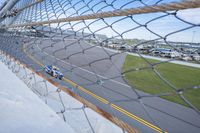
column 115, row 51
column 83, row 68
column 145, row 56
column 152, row 57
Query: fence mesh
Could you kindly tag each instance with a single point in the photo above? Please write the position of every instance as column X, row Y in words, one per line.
column 123, row 56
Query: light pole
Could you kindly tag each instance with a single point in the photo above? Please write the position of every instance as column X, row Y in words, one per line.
column 193, row 36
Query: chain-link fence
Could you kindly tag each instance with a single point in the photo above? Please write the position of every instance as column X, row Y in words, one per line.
column 69, row 109
column 138, row 60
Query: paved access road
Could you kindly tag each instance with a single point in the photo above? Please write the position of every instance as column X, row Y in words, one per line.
column 113, row 95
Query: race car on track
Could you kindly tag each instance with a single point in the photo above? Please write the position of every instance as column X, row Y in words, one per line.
column 53, row 71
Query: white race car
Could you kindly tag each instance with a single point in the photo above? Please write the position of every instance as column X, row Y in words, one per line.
column 54, row 71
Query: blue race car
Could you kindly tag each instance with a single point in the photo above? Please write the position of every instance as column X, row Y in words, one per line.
column 54, row 71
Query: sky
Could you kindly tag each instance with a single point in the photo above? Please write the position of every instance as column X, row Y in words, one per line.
column 161, row 26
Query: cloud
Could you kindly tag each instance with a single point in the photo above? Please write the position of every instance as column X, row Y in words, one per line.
column 190, row 15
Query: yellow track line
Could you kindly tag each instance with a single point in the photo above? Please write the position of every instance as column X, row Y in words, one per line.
column 136, row 118
column 86, row 91
column 125, row 112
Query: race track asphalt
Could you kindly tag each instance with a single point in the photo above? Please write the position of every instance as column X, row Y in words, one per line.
column 73, row 57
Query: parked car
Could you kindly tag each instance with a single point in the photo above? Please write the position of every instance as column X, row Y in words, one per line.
column 185, row 57
column 53, row 71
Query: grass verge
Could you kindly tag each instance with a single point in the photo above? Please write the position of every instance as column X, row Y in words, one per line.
column 179, row 75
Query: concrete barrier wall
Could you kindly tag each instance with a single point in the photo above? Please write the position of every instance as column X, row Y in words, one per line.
column 79, row 113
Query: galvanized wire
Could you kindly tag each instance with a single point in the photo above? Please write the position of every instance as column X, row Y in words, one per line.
column 69, row 35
